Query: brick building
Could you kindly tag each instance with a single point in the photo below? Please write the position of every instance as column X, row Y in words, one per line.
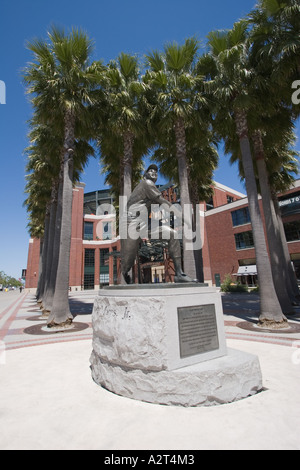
column 93, row 239
column 229, row 237
column 225, row 229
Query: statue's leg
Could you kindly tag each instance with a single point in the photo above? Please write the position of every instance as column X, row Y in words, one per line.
column 128, row 255
column 175, row 253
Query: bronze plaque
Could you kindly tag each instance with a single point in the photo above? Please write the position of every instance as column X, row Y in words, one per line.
column 198, row 332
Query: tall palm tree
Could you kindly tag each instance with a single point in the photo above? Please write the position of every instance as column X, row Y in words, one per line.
column 202, row 160
column 275, row 164
column 282, row 165
column 230, row 80
column 62, row 80
column 276, row 33
column 272, row 129
column 81, row 153
column 123, row 135
column 175, row 109
column 268, row 130
column 42, row 168
column 44, row 188
column 37, row 203
column 279, row 268
column 124, row 124
column 275, row 38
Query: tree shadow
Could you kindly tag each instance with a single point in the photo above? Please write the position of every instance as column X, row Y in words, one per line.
column 78, row 307
column 247, row 307
column 243, row 306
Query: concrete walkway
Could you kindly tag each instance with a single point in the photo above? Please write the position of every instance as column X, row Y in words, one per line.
column 49, row 401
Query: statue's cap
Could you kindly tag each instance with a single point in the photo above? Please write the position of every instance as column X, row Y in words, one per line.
column 152, row 167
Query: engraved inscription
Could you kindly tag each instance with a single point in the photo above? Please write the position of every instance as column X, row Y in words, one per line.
column 198, row 332
column 116, row 311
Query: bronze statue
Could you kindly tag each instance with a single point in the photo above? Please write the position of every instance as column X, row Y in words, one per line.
column 143, row 196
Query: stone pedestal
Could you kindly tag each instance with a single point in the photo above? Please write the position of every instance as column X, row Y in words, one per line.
column 166, row 344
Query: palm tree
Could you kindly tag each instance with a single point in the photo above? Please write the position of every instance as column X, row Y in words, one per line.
column 44, row 195
column 41, row 188
column 175, row 109
column 38, row 225
column 202, row 160
column 124, row 124
column 279, row 268
column 268, row 130
column 273, row 128
column 282, row 165
column 230, row 80
column 275, row 39
column 123, row 137
column 62, row 81
column 275, row 164
column 276, row 32
column 82, row 151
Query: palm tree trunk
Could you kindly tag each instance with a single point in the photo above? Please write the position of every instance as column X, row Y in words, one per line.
column 126, row 166
column 127, row 163
column 198, row 254
column 60, row 314
column 53, row 206
column 40, row 270
column 55, row 249
column 121, row 177
column 188, row 258
column 278, row 266
column 44, row 258
column 270, row 310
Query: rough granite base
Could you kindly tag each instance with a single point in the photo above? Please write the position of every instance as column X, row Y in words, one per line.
column 223, row 380
column 136, row 348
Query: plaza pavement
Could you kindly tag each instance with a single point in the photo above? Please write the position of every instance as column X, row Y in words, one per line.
column 48, row 399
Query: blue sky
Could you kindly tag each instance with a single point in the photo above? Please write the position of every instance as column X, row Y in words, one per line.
column 133, row 26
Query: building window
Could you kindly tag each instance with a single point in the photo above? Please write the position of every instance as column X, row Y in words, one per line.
column 241, row 217
column 292, row 231
column 89, row 280
column 89, row 268
column 104, row 279
column 230, row 199
column 88, row 230
column 89, row 258
column 244, row 240
column 209, row 204
column 104, row 266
